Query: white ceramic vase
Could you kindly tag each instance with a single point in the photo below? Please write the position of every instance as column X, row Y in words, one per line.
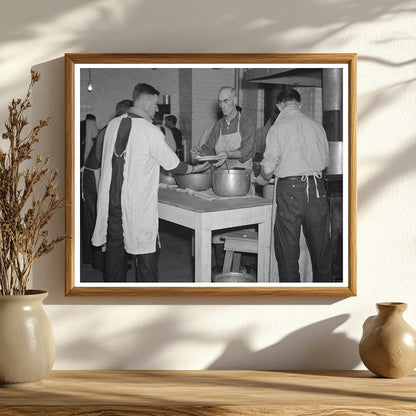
column 27, row 346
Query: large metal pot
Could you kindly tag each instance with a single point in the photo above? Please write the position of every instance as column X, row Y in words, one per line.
column 195, row 181
column 232, row 182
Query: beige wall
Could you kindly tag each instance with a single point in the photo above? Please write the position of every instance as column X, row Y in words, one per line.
column 198, row 333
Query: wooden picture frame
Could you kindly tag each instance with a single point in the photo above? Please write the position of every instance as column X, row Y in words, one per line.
column 256, row 73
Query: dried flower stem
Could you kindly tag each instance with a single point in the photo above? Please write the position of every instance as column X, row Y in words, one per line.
column 23, row 217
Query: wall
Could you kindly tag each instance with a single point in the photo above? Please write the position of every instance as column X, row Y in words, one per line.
column 201, row 333
column 102, row 100
column 205, row 86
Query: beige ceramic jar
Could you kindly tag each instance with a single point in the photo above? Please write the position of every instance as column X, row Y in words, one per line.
column 388, row 345
column 27, row 346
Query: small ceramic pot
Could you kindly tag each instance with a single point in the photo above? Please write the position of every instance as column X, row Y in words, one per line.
column 388, row 345
column 27, row 346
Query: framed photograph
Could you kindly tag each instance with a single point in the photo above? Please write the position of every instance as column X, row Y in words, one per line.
column 211, row 174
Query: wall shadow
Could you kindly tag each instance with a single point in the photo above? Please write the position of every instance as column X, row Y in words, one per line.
column 48, row 100
column 316, row 346
column 139, row 347
column 245, row 24
column 392, row 170
column 136, row 25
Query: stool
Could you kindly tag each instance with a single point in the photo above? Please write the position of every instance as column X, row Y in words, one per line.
column 234, row 245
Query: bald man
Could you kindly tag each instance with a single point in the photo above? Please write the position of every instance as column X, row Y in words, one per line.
column 232, row 137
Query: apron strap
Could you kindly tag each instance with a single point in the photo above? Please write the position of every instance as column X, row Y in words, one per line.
column 123, row 134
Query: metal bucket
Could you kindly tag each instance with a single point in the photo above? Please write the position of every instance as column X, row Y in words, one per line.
column 234, row 277
column 268, row 191
column 335, row 158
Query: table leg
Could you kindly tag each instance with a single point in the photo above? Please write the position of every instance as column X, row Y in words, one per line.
column 264, row 245
column 203, row 232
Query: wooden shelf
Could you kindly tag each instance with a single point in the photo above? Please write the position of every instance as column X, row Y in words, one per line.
column 203, row 393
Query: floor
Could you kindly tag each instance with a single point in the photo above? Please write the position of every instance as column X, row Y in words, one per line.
column 176, row 263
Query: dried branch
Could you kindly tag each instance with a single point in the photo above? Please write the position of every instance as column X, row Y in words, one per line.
column 23, row 217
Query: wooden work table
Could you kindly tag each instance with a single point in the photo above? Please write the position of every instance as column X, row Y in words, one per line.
column 205, row 216
column 254, row 393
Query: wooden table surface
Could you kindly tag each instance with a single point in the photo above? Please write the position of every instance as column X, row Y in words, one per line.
column 254, row 393
column 193, row 203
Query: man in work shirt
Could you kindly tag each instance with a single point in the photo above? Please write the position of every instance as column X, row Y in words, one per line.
column 297, row 153
column 232, row 136
column 127, row 220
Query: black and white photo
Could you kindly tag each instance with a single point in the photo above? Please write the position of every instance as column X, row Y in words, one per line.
column 210, row 174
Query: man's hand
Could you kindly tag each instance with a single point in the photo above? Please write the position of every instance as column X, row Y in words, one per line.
column 259, row 180
column 200, row 168
column 196, row 151
column 266, row 173
column 222, row 157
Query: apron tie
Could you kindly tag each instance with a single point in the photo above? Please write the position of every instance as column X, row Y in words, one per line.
column 305, row 178
column 82, row 184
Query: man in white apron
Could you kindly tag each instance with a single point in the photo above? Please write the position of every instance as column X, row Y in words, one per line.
column 127, row 211
column 232, row 137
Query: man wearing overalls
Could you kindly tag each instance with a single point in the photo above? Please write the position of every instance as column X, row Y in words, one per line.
column 296, row 153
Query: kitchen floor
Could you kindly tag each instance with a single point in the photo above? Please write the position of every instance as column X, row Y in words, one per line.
column 176, row 263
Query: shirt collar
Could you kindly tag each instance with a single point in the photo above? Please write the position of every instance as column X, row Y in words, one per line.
column 141, row 113
column 231, row 119
column 289, row 109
